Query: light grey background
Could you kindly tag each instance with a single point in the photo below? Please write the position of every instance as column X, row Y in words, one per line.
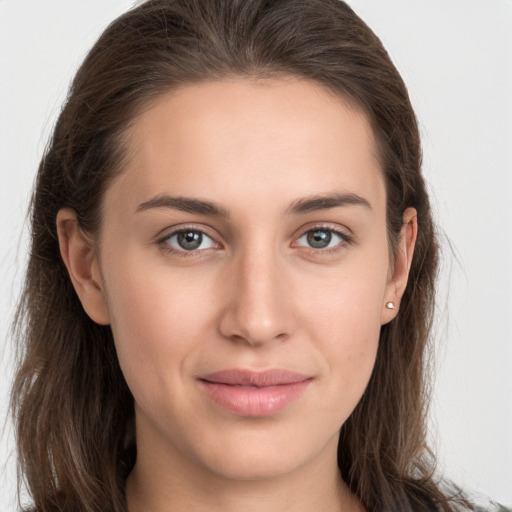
column 456, row 57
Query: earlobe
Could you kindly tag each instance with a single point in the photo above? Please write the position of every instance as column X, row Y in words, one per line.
column 401, row 266
column 79, row 256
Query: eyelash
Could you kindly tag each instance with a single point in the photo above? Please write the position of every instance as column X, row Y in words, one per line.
column 345, row 240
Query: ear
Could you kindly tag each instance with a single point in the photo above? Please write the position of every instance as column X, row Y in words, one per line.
column 399, row 272
column 79, row 256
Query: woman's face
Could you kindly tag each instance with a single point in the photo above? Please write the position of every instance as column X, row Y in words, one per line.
column 245, row 269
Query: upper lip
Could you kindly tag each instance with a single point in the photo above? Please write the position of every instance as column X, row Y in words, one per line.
column 260, row 379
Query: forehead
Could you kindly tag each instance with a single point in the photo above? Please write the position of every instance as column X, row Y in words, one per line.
column 272, row 139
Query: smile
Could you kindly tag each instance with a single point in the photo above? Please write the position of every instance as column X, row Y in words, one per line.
column 249, row 393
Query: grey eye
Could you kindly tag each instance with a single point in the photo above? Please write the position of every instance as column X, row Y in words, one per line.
column 190, row 240
column 320, row 239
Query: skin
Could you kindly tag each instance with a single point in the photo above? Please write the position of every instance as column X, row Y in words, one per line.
column 254, row 295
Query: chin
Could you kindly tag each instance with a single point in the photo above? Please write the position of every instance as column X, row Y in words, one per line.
column 266, row 457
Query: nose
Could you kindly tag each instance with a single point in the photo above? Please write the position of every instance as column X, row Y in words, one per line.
column 259, row 306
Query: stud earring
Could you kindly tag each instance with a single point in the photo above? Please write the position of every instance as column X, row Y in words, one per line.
column 390, row 305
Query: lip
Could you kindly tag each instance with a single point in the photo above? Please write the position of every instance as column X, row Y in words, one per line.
column 254, row 393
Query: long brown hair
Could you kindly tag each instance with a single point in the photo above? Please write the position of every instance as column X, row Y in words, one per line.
column 71, row 404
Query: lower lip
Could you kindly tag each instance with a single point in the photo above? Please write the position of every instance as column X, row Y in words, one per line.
column 245, row 401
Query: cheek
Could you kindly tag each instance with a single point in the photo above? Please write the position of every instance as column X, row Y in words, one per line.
column 156, row 324
column 347, row 305
column 345, row 320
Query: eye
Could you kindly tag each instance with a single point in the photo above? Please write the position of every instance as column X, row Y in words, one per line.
column 321, row 238
column 189, row 240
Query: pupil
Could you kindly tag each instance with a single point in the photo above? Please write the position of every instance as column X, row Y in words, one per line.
column 190, row 240
column 319, row 239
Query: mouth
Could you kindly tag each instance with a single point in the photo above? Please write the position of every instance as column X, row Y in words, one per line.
column 254, row 393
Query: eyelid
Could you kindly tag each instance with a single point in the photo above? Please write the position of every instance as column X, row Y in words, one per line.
column 344, row 231
column 192, row 226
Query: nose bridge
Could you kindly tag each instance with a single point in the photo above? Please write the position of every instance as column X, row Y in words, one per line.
column 258, row 309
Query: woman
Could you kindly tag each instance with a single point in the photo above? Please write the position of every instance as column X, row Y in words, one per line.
column 232, row 273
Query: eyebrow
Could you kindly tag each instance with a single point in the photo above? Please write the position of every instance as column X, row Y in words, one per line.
column 301, row 206
column 325, row 202
column 184, row 204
